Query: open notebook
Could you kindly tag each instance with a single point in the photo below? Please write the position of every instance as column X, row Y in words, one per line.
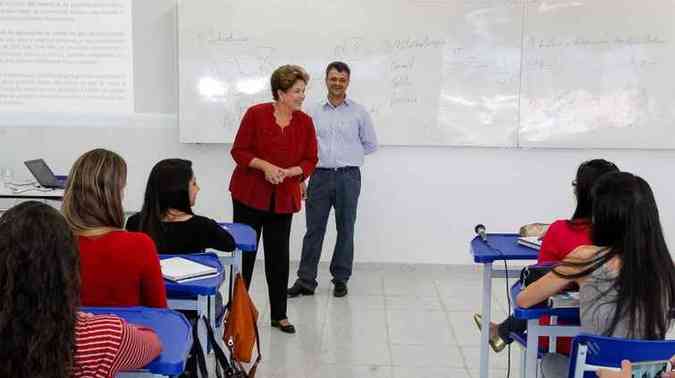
column 182, row 269
column 530, row 241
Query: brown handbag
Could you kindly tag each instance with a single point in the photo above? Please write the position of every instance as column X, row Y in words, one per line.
column 241, row 325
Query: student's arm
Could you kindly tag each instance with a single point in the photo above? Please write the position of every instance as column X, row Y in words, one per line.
column 626, row 371
column 138, row 348
column 219, row 238
column 541, row 290
column 153, row 291
column 551, row 283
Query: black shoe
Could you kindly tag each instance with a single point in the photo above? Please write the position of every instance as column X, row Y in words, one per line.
column 340, row 289
column 289, row 328
column 297, row 289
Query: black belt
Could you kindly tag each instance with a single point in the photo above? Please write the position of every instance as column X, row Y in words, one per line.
column 338, row 169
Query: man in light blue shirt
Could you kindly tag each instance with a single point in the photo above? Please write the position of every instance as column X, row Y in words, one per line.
column 345, row 134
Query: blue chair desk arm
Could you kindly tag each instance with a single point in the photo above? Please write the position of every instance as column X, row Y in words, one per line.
column 206, row 286
column 538, row 312
column 173, row 330
column 244, row 235
column 610, row 351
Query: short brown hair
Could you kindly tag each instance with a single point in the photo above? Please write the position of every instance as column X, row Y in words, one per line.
column 93, row 196
column 339, row 67
column 285, row 77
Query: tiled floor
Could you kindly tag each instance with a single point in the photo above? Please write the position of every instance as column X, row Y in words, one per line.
column 398, row 321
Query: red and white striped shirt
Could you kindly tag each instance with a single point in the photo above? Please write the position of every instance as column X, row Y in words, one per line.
column 107, row 344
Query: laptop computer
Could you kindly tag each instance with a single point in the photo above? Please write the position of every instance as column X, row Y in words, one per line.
column 44, row 176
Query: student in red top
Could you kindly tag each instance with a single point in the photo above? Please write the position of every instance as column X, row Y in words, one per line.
column 275, row 150
column 43, row 334
column 117, row 268
column 561, row 238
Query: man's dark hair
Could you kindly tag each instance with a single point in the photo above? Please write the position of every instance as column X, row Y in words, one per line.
column 339, row 67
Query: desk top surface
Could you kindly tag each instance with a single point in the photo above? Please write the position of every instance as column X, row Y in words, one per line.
column 172, row 328
column 243, row 234
column 31, row 194
column 206, row 286
column 499, row 247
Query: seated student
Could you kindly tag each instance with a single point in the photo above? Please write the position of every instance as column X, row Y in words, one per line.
column 561, row 238
column 167, row 215
column 43, row 334
column 117, row 268
column 616, row 298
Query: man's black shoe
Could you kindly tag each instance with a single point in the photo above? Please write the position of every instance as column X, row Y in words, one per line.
column 297, row 289
column 340, row 289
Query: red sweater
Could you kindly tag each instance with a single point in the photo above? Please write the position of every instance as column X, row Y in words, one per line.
column 561, row 238
column 106, row 344
column 120, row 269
column 260, row 137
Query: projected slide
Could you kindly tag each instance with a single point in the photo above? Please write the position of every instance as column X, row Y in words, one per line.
column 65, row 57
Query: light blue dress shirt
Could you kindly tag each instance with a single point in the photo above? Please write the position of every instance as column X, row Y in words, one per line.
column 345, row 133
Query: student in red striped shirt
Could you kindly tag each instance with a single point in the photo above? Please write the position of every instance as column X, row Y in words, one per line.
column 43, row 334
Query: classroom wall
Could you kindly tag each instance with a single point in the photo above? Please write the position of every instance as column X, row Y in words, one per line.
column 418, row 204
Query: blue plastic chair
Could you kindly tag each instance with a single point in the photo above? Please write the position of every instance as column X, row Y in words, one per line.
column 173, row 330
column 591, row 352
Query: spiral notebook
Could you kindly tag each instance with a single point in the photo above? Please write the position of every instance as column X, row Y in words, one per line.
column 181, row 269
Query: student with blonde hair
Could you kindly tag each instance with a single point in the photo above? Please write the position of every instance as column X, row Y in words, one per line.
column 117, row 267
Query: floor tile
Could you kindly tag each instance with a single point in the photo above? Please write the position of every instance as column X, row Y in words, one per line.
column 419, row 328
column 426, row 372
column 427, row 356
column 342, row 371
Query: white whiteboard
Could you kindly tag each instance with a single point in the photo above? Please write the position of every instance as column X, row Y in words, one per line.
column 430, row 72
column 599, row 74
column 441, row 72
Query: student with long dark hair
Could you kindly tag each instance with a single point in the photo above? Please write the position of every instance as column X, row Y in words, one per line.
column 626, row 279
column 43, row 334
column 561, row 238
column 167, row 215
column 117, row 268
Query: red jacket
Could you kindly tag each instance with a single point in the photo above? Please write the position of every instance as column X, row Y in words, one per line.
column 260, row 137
column 120, row 269
column 562, row 237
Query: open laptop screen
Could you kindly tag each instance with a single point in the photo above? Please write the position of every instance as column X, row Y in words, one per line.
column 44, row 176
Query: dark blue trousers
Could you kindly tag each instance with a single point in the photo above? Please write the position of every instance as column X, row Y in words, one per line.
column 338, row 189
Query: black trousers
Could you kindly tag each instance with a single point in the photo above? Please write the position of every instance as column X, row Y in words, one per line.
column 276, row 231
column 511, row 324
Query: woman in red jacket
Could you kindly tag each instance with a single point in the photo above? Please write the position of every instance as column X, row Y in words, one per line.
column 275, row 150
column 561, row 238
column 117, row 268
